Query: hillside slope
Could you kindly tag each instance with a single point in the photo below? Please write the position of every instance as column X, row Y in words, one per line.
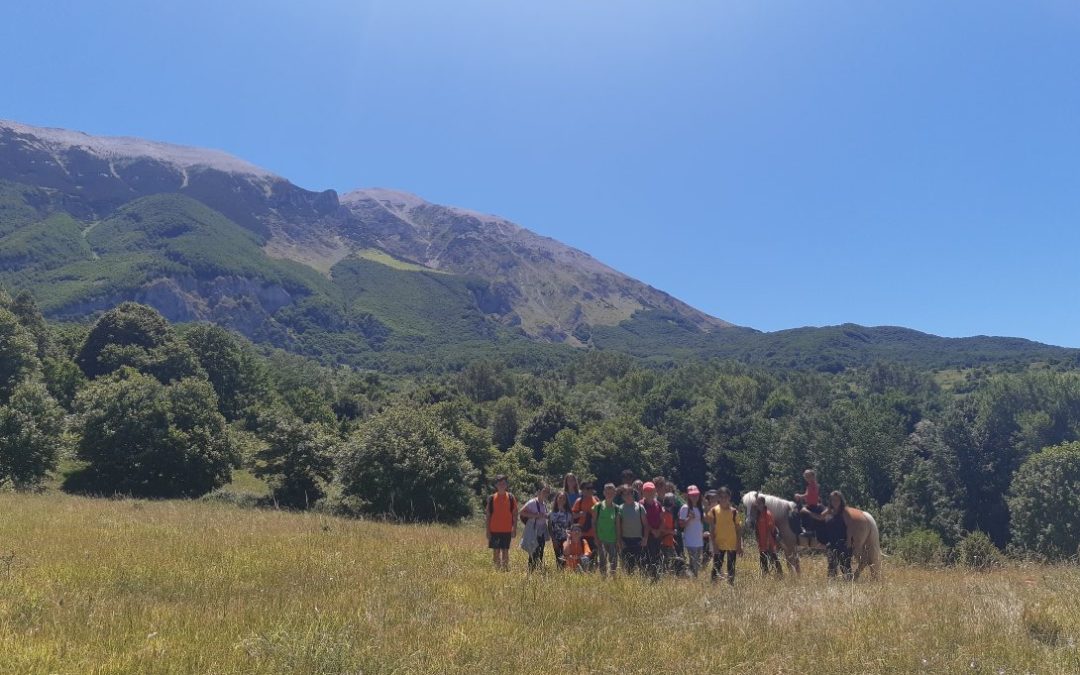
column 376, row 278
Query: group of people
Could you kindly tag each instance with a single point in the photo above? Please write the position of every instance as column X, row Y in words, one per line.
column 644, row 525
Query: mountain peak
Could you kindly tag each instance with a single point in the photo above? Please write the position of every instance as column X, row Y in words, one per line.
column 112, row 148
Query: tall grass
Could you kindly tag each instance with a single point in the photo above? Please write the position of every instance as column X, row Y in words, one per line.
column 98, row 586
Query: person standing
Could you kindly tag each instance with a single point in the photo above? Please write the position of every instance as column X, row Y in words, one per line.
column 582, row 512
column 691, row 519
column 535, row 515
column 654, row 535
column 501, row 510
column 631, row 530
column 725, row 523
column 668, row 553
column 767, row 536
column 571, row 488
column 832, row 530
column 605, row 516
column 559, row 522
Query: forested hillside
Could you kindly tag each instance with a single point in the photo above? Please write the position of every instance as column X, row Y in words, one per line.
column 134, row 405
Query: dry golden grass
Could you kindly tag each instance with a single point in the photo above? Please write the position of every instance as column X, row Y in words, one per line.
column 97, row 586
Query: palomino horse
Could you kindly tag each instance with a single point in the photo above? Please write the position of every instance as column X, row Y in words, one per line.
column 863, row 537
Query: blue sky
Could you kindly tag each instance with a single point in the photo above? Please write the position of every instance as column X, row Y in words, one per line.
column 776, row 164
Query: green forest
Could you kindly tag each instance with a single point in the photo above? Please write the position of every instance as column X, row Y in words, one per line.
column 131, row 405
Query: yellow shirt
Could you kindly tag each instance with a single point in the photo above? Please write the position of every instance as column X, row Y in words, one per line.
column 725, row 526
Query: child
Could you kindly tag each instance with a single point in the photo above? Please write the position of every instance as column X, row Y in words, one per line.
column 535, row 514
column 725, row 522
column 811, row 501
column 654, row 521
column 707, row 550
column 570, row 487
column 605, row 515
column 559, row 526
column 501, row 511
column 630, row 527
column 691, row 519
column 577, row 551
column 767, row 536
column 582, row 512
column 667, row 535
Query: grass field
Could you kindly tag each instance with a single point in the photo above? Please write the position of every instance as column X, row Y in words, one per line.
column 102, row 586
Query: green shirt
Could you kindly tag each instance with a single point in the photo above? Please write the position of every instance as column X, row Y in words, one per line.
column 605, row 522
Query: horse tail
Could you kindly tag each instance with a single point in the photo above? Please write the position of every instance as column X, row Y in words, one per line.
column 873, row 548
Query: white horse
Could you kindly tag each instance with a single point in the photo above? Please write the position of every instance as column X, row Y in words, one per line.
column 863, row 537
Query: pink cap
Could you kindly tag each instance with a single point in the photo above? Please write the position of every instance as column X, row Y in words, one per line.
column 648, row 486
column 693, row 490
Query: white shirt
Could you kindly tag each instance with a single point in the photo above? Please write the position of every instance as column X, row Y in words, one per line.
column 693, row 535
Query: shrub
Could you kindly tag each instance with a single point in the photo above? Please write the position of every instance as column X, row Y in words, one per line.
column 31, row 425
column 297, row 460
column 977, row 551
column 921, row 547
column 404, row 463
column 147, row 439
column 1044, row 505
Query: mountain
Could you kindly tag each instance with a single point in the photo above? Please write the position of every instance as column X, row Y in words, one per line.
column 374, row 278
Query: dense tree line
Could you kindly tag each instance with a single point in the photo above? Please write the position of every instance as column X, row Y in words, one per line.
column 134, row 405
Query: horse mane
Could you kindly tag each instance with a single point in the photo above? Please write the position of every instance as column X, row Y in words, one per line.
column 773, row 503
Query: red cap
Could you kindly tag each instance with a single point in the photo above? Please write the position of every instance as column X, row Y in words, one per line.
column 648, row 486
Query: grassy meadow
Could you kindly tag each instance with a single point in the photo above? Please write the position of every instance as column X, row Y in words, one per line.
column 118, row 586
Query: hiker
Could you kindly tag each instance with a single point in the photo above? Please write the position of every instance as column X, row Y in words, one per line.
column 605, row 515
column 680, row 546
column 626, row 478
column 577, row 551
column 501, row 511
column 582, row 512
column 654, row 525
column 707, row 551
column 668, row 555
column 725, row 523
column 571, row 488
column 559, row 522
column 768, row 534
column 535, row 514
column 631, row 530
column 832, row 531
column 691, row 520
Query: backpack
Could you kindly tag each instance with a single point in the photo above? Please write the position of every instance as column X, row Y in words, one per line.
column 512, row 502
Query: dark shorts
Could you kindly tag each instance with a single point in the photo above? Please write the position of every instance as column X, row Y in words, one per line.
column 499, row 540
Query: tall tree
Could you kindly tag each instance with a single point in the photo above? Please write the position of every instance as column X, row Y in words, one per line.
column 137, row 336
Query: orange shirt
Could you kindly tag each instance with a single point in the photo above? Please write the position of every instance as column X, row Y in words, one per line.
column 572, row 552
column 583, row 515
column 813, row 494
column 669, row 524
column 766, row 528
column 501, row 512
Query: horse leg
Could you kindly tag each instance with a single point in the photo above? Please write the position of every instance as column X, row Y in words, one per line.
column 861, row 555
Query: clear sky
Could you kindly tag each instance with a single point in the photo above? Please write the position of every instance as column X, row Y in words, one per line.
column 776, row 164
